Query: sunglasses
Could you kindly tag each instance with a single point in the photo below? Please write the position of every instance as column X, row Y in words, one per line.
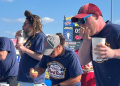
column 82, row 20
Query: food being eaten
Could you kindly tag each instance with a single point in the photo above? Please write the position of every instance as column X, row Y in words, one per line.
column 87, row 68
column 33, row 71
column 20, row 31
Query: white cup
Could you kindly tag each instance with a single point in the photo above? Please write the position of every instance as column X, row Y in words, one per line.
column 3, row 84
column 96, row 41
column 20, row 39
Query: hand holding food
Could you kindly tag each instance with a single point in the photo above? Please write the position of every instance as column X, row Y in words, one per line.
column 87, row 68
column 18, row 33
column 33, row 73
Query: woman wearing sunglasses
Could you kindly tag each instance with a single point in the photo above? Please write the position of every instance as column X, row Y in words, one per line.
column 61, row 62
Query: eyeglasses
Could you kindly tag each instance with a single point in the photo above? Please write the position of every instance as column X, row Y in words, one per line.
column 82, row 20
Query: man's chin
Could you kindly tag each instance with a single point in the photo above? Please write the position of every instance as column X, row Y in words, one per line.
column 25, row 36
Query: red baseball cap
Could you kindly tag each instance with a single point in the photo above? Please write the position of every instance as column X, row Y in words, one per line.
column 86, row 10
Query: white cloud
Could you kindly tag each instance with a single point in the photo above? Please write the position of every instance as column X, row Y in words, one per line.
column 44, row 20
column 47, row 20
column 20, row 20
column 8, row 0
column 117, row 21
column 13, row 33
column 10, row 33
column 16, row 20
column 7, row 31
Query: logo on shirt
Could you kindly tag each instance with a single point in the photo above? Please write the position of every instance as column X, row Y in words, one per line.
column 56, row 70
column 28, row 44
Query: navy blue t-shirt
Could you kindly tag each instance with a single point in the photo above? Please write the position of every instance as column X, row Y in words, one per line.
column 62, row 67
column 9, row 66
column 28, row 62
column 107, row 72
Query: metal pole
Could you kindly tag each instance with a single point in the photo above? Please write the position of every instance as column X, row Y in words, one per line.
column 63, row 23
column 111, row 10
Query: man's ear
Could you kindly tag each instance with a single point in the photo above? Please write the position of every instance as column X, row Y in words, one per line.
column 59, row 46
column 96, row 15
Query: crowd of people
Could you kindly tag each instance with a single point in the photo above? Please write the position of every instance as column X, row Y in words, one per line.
column 65, row 66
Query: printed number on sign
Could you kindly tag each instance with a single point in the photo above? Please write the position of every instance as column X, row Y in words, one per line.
column 77, row 30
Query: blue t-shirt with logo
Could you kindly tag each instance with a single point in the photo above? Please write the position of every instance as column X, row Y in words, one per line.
column 9, row 66
column 62, row 67
column 35, row 44
column 107, row 71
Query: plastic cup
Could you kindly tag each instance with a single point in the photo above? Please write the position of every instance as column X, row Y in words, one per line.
column 96, row 41
column 20, row 39
column 4, row 84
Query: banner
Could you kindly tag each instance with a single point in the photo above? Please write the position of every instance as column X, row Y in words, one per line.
column 68, row 23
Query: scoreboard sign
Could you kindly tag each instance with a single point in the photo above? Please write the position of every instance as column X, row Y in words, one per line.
column 68, row 33
column 74, row 45
column 76, row 36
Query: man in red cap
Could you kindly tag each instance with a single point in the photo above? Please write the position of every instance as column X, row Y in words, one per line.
column 91, row 23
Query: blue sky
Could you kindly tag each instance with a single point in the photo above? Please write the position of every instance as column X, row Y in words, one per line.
column 51, row 11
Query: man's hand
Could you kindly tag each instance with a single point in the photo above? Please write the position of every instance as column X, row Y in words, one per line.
column 33, row 73
column 104, row 52
column 20, row 47
column 18, row 33
column 84, row 33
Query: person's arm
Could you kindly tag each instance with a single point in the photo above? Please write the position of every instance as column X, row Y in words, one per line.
column 34, row 55
column 71, row 81
column 117, row 53
column 84, row 52
column 31, row 53
column 37, row 72
column 20, row 52
column 40, row 70
column 3, row 55
column 105, row 52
